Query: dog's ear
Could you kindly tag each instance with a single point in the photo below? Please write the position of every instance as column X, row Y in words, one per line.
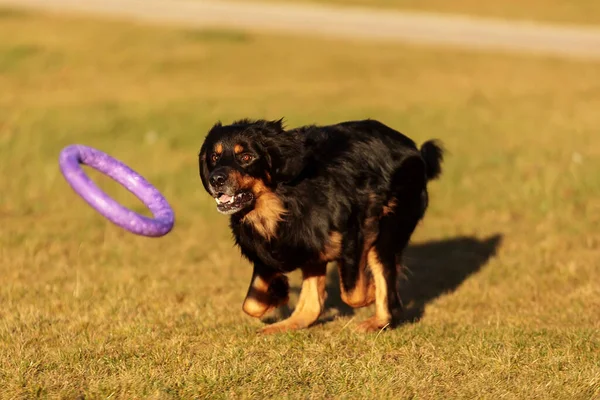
column 284, row 152
column 285, row 165
column 203, row 167
column 275, row 126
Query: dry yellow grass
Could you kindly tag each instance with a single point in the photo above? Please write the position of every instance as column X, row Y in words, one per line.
column 503, row 279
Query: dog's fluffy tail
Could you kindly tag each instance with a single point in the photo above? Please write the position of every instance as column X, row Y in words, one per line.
column 432, row 152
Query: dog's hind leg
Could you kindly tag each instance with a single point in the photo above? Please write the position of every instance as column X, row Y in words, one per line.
column 396, row 225
column 310, row 304
column 359, row 292
column 388, row 306
column 356, row 282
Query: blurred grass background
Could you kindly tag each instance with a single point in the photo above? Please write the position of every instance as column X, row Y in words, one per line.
column 559, row 11
column 503, row 272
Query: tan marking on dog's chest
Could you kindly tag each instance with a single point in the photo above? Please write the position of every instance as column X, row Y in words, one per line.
column 267, row 213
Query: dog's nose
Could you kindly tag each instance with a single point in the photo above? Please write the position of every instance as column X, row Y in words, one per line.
column 218, row 179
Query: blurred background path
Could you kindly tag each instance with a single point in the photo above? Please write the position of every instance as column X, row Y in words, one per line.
column 343, row 22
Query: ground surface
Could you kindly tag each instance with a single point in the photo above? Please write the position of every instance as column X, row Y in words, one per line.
column 577, row 11
column 503, row 273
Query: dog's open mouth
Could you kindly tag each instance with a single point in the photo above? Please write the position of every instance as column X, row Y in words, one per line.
column 227, row 204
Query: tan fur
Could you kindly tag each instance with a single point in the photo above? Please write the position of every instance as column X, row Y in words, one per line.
column 363, row 294
column 219, row 148
column 255, row 308
column 258, row 299
column 382, row 315
column 333, row 248
column 238, row 148
column 310, row 304
column 254, row 305
column 268, row 209
column 389, row 207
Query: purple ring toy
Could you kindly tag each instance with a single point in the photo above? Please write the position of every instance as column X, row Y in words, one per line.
column 164, row 218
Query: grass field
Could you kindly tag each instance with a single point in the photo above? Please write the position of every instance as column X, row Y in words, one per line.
column 503, row 281
column 561, row 11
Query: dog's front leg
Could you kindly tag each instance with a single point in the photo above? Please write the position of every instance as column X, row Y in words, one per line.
column 268, row 290
column 310, row 304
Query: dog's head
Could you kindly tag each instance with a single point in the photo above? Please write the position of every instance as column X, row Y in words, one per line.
column 240, row 162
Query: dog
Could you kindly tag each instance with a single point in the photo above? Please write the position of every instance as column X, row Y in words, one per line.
column 350, row 193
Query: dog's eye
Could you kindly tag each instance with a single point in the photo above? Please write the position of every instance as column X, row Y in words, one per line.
column 214, row 157
column 246, row 158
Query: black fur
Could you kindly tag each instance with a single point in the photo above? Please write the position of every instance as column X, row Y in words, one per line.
column 361, row 179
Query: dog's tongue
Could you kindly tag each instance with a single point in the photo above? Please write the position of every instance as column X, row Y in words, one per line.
column 225, row 198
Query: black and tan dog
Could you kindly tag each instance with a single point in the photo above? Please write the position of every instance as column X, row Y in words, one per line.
column 352, row 193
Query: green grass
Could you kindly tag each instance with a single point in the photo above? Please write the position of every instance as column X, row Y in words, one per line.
column 503, row 280
column 560, row 11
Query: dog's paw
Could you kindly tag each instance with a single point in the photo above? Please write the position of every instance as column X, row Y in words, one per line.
column 372, row 324
column 279, row 327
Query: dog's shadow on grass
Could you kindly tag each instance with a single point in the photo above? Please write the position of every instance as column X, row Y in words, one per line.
column 440, row 267
column 431, row 269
